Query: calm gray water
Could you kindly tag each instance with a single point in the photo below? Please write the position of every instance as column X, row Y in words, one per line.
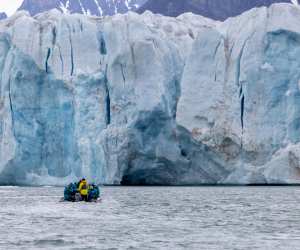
column 152, row 218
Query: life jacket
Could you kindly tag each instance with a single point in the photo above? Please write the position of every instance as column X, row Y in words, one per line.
column 83, row 188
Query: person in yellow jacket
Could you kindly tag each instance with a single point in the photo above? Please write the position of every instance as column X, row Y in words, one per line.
column 83, row 189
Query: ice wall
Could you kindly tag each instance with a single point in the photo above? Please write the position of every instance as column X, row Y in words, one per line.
column 240, row 94
column 147, row 99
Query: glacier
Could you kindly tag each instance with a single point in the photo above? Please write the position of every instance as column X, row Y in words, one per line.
column 150, row 100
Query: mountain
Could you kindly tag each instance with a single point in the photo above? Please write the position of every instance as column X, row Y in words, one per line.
column 149, row 99
column 215, row 9
column 88, row 7
column 3, row 15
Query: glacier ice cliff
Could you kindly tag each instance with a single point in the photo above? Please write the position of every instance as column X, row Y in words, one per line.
column 148, row 99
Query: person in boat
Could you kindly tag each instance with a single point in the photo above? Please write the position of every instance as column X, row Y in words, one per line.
column 83, row 189
column 78, row 183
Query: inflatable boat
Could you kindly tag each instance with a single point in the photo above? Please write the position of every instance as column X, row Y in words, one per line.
column 71, row 193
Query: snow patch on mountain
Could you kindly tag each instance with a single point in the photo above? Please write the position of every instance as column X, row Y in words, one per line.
column 99, row 8
column 65, row 7
column 295, row 2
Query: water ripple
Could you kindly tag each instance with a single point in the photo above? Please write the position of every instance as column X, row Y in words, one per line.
column 152, row 218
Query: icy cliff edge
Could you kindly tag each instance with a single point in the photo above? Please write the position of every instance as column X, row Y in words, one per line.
column 147, row 99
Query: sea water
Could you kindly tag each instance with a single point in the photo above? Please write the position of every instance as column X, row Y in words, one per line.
column 152, row 218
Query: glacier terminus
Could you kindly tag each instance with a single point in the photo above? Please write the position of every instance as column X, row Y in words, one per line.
column 148, row 99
